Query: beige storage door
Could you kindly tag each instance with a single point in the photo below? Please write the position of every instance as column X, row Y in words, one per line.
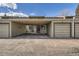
column 62, row 30
column 77, row 30
column 4, row 30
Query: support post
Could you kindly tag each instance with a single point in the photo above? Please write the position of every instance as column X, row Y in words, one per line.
column 73, row 28
column 50, row 30
column 10, row 29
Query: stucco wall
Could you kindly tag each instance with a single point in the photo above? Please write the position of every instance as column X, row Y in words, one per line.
column 17, row 29
column 50, row 29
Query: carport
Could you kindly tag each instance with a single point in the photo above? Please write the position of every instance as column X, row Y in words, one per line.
column 18, row 27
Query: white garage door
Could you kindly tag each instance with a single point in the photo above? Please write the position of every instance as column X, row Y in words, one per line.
column 77, row 30
column 62, row 30
column 4, row 30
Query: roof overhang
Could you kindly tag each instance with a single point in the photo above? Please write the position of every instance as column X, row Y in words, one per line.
column 40, row 20
column 32, row 21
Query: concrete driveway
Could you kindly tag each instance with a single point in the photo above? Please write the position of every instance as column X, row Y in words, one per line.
column 42, row 47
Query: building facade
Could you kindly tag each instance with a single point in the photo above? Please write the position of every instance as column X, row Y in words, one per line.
column 54, row 27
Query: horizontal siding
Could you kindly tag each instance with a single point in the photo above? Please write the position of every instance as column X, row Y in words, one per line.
column 4, row 30
column 62, row 30
column 76, row 30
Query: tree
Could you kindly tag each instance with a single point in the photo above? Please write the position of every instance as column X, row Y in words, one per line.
column 65, row 12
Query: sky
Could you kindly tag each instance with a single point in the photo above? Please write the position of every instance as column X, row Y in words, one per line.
column 42, row 9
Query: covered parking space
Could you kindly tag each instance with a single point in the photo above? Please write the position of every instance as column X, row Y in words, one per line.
column 18, row 28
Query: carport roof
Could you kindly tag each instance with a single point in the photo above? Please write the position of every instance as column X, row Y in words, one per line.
column 35, row 17
column 32, row 17
column 34, row 20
